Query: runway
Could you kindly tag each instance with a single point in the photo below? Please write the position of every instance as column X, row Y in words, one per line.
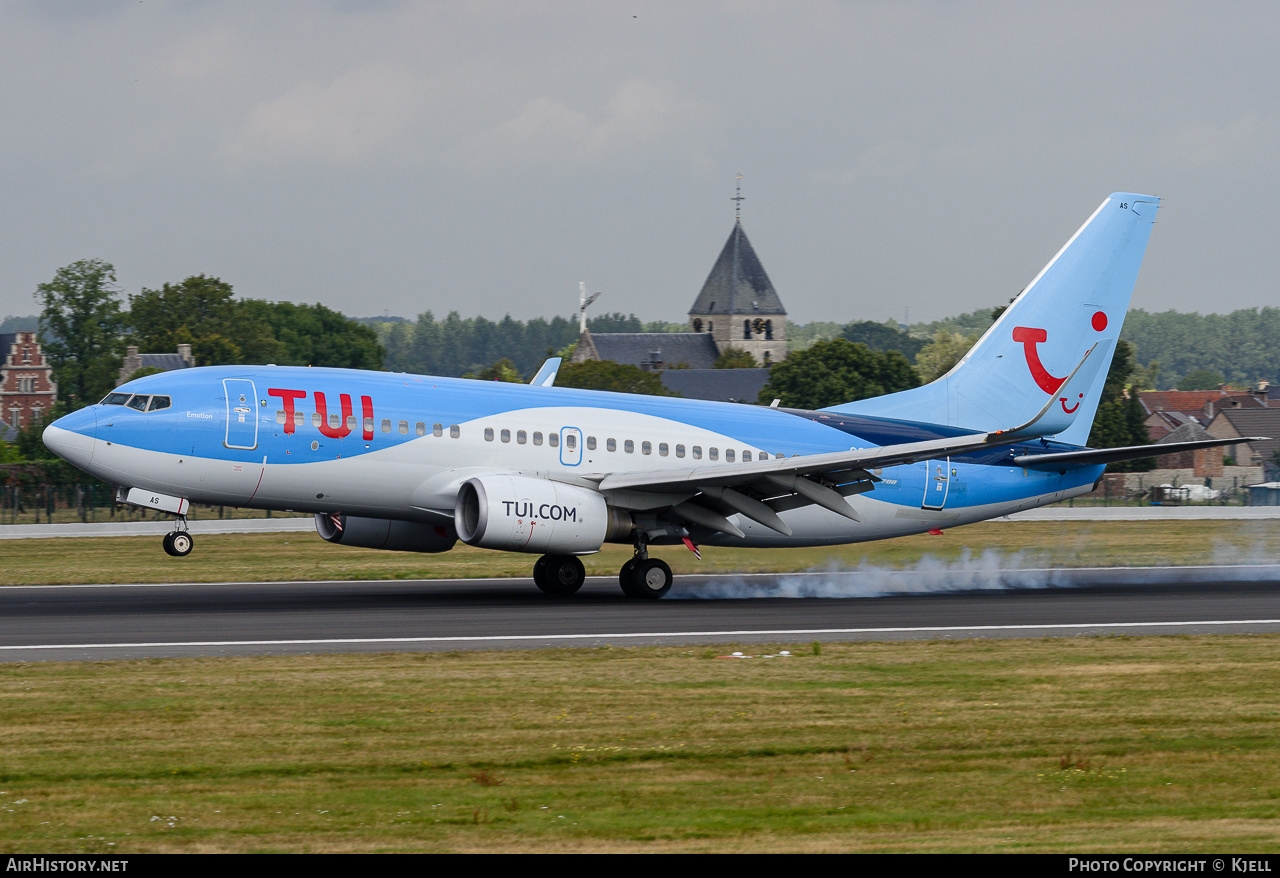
column 97, row 622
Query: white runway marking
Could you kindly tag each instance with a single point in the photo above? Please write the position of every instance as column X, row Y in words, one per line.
column 853, row 571
column 797, row 632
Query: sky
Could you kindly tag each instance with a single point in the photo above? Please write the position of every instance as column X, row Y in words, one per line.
column 907, row 160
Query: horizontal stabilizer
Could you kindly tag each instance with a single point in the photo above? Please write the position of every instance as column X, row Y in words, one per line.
column 1130, row 452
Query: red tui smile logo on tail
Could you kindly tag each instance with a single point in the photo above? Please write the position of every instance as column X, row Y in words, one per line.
column 1030, row 337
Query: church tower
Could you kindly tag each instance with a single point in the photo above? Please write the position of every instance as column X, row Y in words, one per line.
column 738, row 304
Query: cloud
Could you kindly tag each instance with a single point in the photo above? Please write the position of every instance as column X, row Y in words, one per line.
column 1199, row 144
column 638, row 120
column 365, row 113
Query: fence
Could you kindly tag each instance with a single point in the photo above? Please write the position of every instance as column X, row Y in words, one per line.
column 36, row 504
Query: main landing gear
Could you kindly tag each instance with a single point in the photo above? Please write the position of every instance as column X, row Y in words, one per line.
column 642, row 577
column 559, row 575
column 179, row 543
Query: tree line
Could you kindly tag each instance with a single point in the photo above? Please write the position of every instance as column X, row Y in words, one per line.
column 86, row 325
column 456, row 346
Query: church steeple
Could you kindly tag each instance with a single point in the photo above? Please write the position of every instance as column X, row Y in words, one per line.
column 737, row 283
column 738, row 304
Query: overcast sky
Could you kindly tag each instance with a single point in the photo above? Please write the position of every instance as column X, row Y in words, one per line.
column 395, row 157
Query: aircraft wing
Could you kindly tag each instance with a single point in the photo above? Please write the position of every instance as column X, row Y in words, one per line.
column 708, row 494
column 1128, row 452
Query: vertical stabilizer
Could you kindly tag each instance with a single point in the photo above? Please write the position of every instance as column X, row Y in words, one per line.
column 1076, row 303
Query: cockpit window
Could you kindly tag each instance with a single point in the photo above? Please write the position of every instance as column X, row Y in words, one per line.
column 159, row 402
column 138, row 401
column 115, row 398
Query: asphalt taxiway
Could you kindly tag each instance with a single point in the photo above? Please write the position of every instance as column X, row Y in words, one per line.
column 95, row 622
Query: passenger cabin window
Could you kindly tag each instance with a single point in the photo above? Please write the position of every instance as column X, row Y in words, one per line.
column 713, row 453
column 280, row 416
column 455, row 431
column 611, row 444
column 728, row 455
column 646, row 448
column 522, row 437
column 746, row 457
column 404, row 428
column 553, row 439
column 662, row 449
column 386, row 425
column 537, row 438
column 297, row 417
column 368, row 425
column 488, row 434
column 506, row 435
column 571, row 441
column 420, row 428
column 591, row 443
column 315, row 419
column 679, row 451
column 437, row 429
column 629, row 447
column 697, row 452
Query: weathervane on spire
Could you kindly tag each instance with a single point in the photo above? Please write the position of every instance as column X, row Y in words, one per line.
column 739, row 198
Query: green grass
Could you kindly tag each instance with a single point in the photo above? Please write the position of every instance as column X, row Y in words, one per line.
column 1095, row 744
column 1081, row 745
column 304, row 556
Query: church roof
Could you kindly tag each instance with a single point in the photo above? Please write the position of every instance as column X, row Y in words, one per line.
column 723, row 385
column 697, row 350
column 738, row 283
column 163, row 362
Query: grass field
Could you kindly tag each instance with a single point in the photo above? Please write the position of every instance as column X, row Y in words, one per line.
column 304, row 556
column 1077, row 745
column 1087, row 745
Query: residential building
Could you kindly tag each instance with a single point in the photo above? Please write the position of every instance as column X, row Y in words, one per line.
column 27, row 388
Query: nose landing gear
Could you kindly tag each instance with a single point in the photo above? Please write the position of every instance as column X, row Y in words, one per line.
column 179, row 543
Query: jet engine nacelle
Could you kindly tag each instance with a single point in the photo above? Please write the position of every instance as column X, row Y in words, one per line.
column 522, row 514
column 384, row 533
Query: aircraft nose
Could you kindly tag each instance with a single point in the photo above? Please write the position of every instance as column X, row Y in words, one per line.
column 72, row 437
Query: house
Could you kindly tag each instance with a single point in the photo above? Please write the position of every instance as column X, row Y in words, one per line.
column 135, row 362
column 1203, row 462
column 1233, row 423
column 27, row 388
column 1167, row 410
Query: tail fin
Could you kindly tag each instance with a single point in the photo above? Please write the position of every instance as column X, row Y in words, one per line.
column 1076, row 304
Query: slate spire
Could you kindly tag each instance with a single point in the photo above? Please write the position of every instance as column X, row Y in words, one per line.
column 738, row 283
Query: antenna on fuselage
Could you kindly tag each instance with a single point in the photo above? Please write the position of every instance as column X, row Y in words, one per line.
column 583, row 301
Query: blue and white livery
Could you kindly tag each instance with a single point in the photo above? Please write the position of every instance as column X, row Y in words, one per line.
column 412, row 462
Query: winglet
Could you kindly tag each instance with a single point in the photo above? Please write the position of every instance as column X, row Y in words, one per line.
column 547, row 374
column 1059, row 412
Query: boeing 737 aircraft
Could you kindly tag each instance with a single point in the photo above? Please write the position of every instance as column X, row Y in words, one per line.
column 415, row 463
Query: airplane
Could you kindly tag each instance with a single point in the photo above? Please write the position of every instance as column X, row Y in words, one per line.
column 416, row 463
